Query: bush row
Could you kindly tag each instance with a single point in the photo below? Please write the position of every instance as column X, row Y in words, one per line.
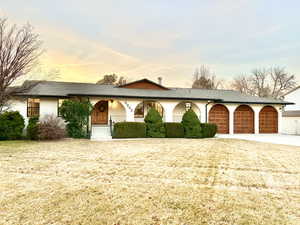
column 190, row 127
column 172, row 130
column 12, row 125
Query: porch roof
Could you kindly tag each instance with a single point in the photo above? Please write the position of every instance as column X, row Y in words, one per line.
column 67, row 89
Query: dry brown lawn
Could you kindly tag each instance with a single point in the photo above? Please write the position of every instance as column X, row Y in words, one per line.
column 154, row 181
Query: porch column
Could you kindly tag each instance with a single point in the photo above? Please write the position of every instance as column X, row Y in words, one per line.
column 129, row 106
column 256, row 110
column 279, row 111
column 201, row 107
column 168, row 110
column 231, row 109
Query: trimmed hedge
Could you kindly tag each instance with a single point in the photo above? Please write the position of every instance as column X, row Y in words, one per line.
column 129, row 130
column 208, row 130
column 11, row 125
column 154, row 124
column 174, row 130
column 32, row 128
column 191, row 124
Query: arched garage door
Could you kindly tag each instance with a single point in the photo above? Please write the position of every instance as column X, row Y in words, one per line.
column 268, row 120
column 243, row 120
column 219, row 115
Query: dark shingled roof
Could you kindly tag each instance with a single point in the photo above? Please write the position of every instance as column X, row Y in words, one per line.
column 67, row 89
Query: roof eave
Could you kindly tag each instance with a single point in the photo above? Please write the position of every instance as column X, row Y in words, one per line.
column 264, row 103
column 144, row 97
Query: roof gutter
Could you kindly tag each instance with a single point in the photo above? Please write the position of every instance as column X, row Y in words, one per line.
column 263, row 103
column 145, row 97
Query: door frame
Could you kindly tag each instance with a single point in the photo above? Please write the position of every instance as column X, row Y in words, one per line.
column 107, row 113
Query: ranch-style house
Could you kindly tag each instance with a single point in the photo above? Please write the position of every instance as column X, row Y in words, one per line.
column 233, row 112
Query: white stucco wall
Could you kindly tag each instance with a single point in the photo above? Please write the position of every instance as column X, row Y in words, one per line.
column 19, row 104
column 116, row 111
column 295, row 98
column 123, row 110
column 48, row 106
column 291, row 125
column 180, row 109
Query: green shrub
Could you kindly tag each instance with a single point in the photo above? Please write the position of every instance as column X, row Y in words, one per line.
column 32, row 128
column 76, row 114
column 191, row 124
column 208, row 130
column 129, row 130
column 11, row 125
column 174, row 130
column 51, row 128
column 154, row 124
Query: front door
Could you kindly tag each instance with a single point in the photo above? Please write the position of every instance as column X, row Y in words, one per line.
column 100, row 113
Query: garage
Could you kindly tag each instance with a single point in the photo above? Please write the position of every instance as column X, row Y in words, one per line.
column 243, row 120
column 219, row 115
column 268, row 120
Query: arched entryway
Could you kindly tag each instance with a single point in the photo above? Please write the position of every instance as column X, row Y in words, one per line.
column 268, row 120
column 100, row 113
column 181, row 108
column 243, row 120
column 142, row 109
column 219, row 115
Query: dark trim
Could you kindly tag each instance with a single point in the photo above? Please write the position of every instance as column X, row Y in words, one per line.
column 42, row 96
column 30, row 108
column 206, row 119
column 155, row 97
column 143, row 80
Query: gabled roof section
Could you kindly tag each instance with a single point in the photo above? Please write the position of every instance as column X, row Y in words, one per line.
column 144, row 84
column 68, row 89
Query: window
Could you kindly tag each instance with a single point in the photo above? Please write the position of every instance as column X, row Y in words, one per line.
column 188, row 106
column 59, row 103
column 142, row 109
column 139, row 110
column 33, row 107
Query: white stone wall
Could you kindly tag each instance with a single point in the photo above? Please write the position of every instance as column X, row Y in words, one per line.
column 291, row 125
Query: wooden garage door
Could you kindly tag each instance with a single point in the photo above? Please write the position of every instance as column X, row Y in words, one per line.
column 268, row 120
column 219, row 115
column 243, row 120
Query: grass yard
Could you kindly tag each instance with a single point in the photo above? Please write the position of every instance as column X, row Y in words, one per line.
column 154, row 181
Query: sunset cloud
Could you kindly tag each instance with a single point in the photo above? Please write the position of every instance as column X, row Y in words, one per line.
column 136, row 39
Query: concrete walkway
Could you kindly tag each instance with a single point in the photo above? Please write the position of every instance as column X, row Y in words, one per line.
column 269, row 138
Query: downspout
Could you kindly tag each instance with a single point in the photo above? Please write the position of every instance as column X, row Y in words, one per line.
column 208, row 102
column 88, row 124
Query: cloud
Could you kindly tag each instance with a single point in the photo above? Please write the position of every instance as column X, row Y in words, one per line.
column 155, row 38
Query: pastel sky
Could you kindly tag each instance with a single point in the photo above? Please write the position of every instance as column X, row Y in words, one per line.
column 85, row 39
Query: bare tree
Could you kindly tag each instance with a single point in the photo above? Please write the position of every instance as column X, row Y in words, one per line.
column 205, row 79
column 242, row 84
column 112, row 79
column 20, row 49
column 273, row 82
column 282, row 82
